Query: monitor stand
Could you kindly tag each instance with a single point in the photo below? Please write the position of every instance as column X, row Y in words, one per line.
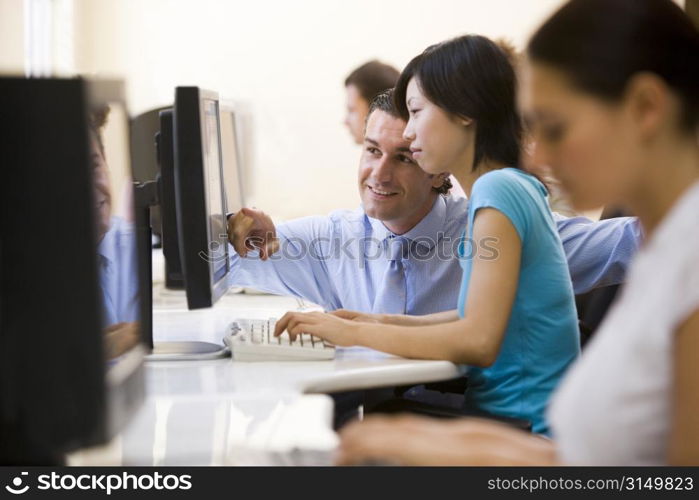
column 145, row 197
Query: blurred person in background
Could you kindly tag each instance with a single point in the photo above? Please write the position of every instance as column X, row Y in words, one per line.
column 361, row 86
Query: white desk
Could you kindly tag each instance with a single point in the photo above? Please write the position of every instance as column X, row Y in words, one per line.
column 225, row 412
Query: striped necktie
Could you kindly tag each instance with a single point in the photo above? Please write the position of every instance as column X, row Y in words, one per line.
column 391, row 296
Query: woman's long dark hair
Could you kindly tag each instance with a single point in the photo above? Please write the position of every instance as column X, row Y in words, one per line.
column 471, row 77
column 600, row 44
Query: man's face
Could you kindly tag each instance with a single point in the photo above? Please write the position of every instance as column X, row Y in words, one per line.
column 393, row 188
column 102, row 192
column 357, row 109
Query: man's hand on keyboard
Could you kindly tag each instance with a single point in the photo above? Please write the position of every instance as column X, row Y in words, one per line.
column 252, row 229
column 334, row 330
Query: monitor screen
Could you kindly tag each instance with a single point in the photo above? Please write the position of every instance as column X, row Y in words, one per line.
column 213, row 170
column 232, row 159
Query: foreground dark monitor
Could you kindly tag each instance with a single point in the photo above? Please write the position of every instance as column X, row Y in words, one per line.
column 71, row 350
column 200, row 195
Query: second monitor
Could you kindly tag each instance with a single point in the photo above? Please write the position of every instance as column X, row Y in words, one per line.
column 200, row 195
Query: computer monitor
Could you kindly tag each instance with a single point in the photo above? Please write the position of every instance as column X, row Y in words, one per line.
column 200, row 195
column 190, row 194
column 189, row 191
column 232, row 180
column 144, row 159
column 71, row 352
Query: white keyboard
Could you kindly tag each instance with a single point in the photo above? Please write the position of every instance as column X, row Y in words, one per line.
column 254, row 340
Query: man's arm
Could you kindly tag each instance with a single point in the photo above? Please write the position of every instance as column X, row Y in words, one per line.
column 281, row 260
column 598, row 253
column 474, row 340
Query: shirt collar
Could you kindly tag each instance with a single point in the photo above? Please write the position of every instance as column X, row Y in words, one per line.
column 428, row 231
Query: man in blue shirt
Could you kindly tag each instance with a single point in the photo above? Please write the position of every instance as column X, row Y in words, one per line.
column 344, row 260
column 116, row 253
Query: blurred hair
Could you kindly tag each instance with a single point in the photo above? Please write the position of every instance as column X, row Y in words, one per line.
column 372, row 77
column 513, row 54
column 600, row 44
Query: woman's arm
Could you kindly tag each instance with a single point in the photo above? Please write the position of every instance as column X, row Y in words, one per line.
column 474, row 340
column 424, row 320
column 398, row 319
column 410, row 440
column 684, row 433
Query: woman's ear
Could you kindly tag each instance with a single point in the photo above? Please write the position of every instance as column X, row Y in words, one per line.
column 648, row 102
column 464, row 121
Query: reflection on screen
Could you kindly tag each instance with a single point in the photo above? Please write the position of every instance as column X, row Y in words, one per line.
column 218, row 248
column 116, row 237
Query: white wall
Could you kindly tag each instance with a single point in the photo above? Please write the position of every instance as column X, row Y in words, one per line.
column 11, row 37
column 287, row 61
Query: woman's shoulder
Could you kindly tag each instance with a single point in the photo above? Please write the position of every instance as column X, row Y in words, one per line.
column 515, row 193
column 508, row 182
column 509, row 177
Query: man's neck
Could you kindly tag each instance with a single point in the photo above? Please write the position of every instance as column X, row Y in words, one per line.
column 402, row 226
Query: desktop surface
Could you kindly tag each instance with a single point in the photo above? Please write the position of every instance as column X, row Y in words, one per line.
column 226, row 412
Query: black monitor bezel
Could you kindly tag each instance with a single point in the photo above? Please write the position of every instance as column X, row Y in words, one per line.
column 203, row 289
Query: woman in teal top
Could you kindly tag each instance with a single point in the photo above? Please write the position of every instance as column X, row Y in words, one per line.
column 515, row 324
column 541, row 339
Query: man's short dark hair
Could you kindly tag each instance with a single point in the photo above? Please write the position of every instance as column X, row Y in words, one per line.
column 383, row 101
column 372, row 77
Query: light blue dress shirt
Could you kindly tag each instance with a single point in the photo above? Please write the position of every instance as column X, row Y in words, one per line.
column 541, row 339
column 339, row 260
column 118, row 273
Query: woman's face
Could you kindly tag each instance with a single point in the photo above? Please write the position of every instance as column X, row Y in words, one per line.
column 587, row 142
column 439, row 141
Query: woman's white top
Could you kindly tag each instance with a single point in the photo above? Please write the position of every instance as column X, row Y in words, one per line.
column 614, row 406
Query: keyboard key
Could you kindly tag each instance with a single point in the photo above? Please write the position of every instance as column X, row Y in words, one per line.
column 254, row 340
